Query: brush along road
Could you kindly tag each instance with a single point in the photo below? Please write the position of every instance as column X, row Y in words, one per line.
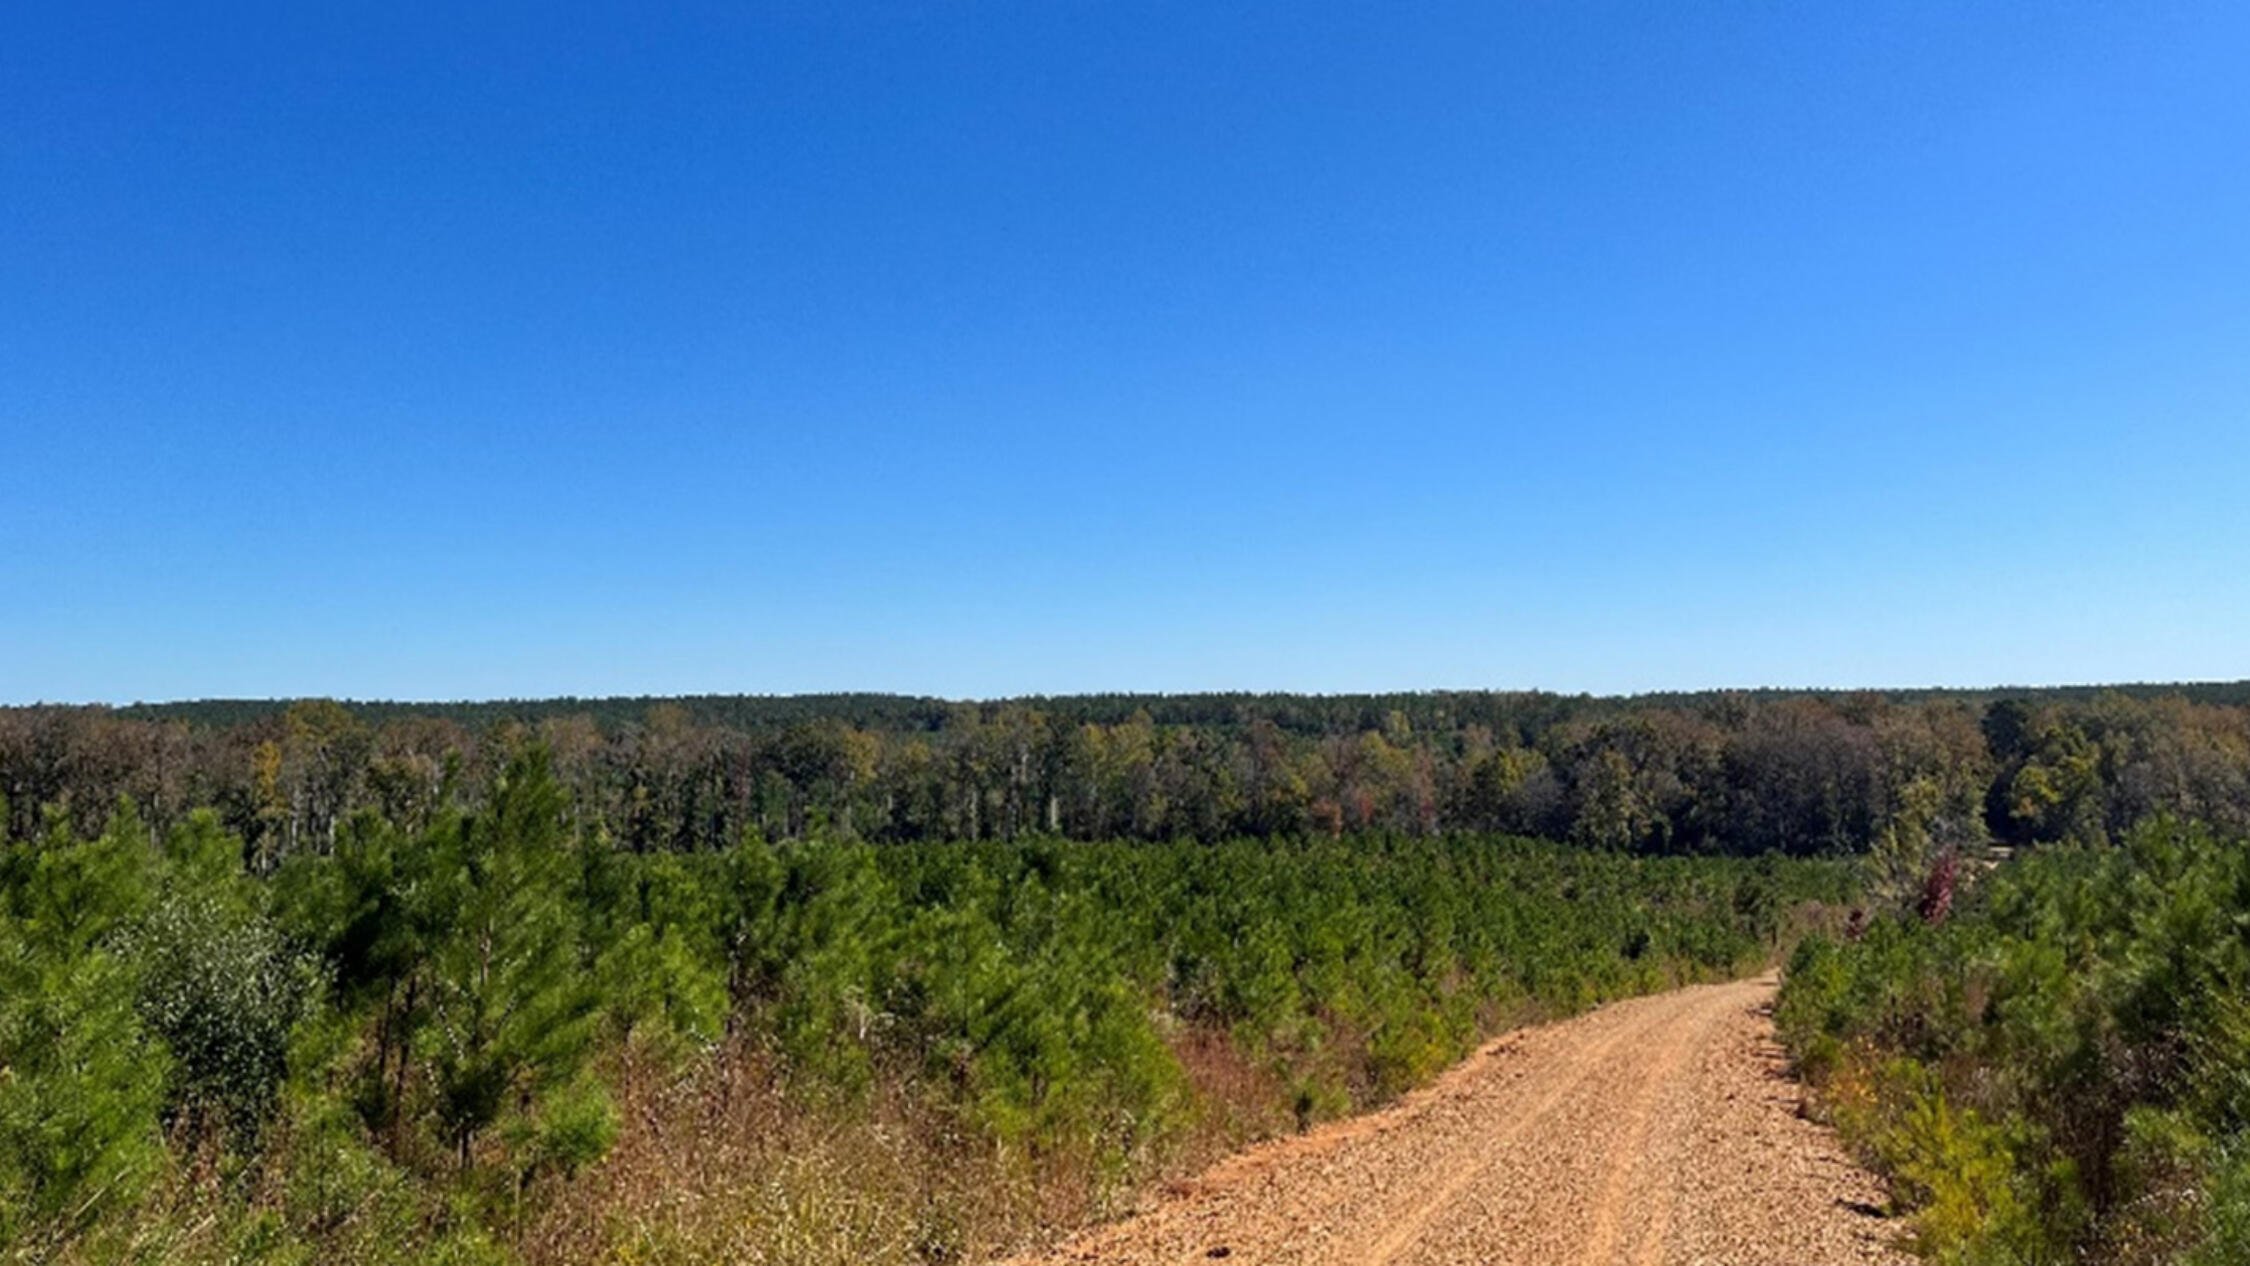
column 1662, row 1131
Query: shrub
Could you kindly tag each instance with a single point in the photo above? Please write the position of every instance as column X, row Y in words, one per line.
column 2061, row 1070
column 221, row 989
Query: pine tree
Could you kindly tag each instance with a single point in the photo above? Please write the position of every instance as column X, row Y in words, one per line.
column 73, row 894
column 512, row 1014
column 79, row 1089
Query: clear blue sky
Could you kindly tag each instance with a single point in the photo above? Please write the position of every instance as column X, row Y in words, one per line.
column 979, row 348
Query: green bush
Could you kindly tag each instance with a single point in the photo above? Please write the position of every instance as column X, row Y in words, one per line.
column 221, row 989
column 2061, row 1070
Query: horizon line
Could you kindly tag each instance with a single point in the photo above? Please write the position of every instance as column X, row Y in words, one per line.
column 1225, row 692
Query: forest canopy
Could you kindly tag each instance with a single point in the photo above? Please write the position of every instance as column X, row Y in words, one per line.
column 1737, row 772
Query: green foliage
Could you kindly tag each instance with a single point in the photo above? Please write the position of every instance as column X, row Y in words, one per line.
column 512, row 1009
column 1735, row 772
column 1959, row 1173
column 399, row 1044
column 2226, row 1215
column 223, row 991
column 2061, row 1071
column 71, row 894
column 80, row 1085
column 80, row 1080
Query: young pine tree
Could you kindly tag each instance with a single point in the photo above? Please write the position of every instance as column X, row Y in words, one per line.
column 80, row 1079
column 80, row 1085
column 512, row 1014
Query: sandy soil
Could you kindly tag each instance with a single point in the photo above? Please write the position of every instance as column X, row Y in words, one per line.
column 1663, row 1131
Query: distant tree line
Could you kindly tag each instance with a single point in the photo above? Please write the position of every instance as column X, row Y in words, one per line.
column 1796, row 773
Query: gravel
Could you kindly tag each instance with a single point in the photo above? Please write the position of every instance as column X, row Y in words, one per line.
column 1664, row 1131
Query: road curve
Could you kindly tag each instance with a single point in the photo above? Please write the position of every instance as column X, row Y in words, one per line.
column 1662, row 1131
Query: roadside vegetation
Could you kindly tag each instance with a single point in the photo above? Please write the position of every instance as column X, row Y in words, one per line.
column 2054, row 1065
column 500, row 1036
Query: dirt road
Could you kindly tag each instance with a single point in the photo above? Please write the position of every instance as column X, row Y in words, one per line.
column 1657, row 1132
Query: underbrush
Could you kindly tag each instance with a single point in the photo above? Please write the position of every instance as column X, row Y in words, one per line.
column 492, row 1036
column 2060, row 1071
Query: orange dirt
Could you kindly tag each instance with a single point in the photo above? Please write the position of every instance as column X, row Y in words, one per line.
column 1663, row 1131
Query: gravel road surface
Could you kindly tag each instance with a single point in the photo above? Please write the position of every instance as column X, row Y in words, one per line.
column 1662, row 1131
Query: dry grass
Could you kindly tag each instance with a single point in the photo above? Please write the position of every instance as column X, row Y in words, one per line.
column 724, row 1163
column 1239, row 1099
